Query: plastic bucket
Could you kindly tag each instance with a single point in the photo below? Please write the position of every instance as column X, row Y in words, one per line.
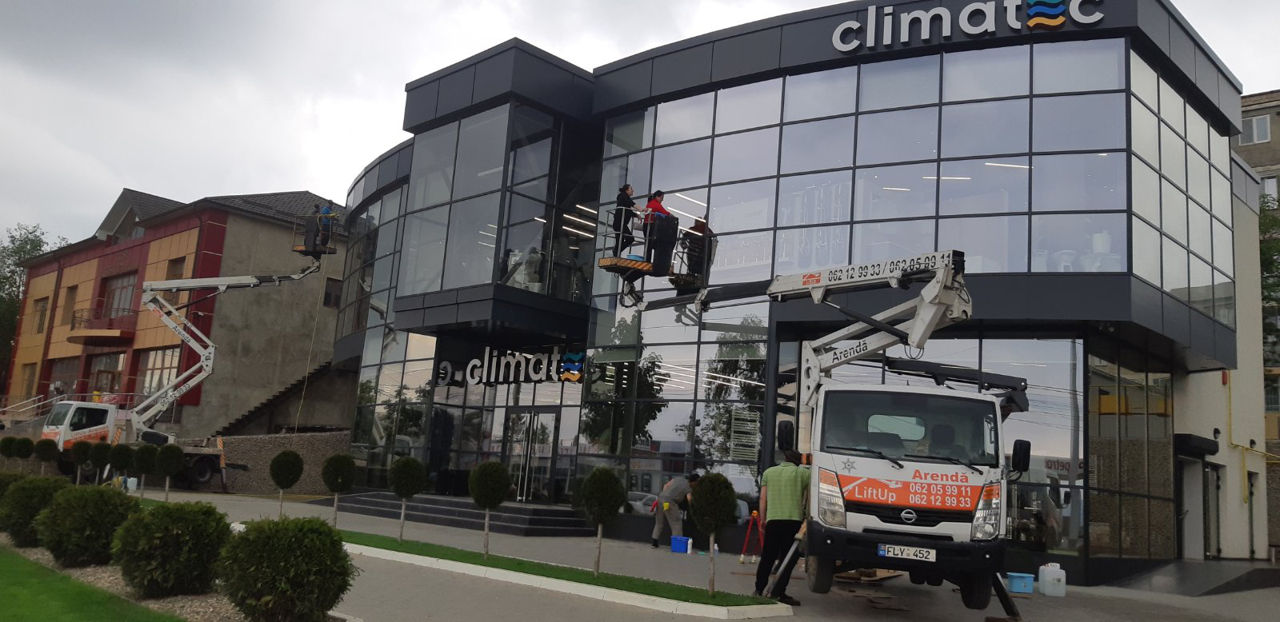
column 1021, row 583
column 635, row 257
column 680, row 544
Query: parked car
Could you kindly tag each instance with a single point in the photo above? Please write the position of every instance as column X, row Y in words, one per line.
column 641, row 502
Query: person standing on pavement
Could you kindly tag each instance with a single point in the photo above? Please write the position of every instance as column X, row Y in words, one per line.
column 667, row 509
column 782, row 504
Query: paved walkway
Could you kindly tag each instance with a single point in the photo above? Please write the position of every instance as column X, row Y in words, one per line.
column 393, row 591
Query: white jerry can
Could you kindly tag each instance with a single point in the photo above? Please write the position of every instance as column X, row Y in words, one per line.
column 1053, row 580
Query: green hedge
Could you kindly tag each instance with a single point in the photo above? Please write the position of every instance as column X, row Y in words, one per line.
column 7, row 480
column 290, row 569
column 22, row 502
column 171, row 548
column 77, row 526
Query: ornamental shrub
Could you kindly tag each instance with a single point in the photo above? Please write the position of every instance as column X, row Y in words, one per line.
column 489, row 484
column 339, row 475
column 286, row 470
column 6, row 447
column 23, row 448
column 171, row 549
column 46, row 451
column 78, row 524
column 121, row 459
column 714, row 507
column 289, row 569
column 100, row 457
column 22, row 502
column 169, row 462
column 602, row 496
column 7, row 480
column 408, row 477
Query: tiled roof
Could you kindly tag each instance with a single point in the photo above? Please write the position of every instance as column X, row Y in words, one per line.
column 145, row 205
column 292, row 206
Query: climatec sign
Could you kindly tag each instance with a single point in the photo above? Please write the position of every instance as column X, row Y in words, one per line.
column 494, row 367
column 881, row 27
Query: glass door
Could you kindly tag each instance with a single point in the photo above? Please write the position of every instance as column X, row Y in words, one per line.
column 531, row 453
column 1212, row 535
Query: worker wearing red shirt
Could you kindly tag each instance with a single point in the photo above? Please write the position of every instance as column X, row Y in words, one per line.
column 655, row 207
column 660, row 234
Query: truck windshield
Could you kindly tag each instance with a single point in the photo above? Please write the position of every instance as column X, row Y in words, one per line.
column 58, row 415
column 910, row 424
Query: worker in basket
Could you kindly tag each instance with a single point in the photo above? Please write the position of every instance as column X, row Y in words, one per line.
column 698, row 243
column 661, row 231
column 324, row 217
column 623, row 214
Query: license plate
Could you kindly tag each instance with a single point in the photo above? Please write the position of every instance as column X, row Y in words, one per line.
column 907, row 552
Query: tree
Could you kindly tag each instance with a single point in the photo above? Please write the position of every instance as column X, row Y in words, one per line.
column 6, row 448
column 408, row 477
column 339, row 475
column 286, row 470
column 602, row 495
column 121, row 459
column 22, row 243
column 144, row 463
column 46, row 452
column 80, row 454
column 714, row 507
column 169, row 462
column 23, row 448
column 1269, row 259
column 100, row 456
column 489, row 484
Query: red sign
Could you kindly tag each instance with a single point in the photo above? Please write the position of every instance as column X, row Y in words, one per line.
column 812, row 278
column 937, row 491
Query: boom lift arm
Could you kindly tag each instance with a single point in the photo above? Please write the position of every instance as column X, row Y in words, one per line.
column 149, row 409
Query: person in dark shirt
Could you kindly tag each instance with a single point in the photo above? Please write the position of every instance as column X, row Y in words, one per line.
column 623, row 214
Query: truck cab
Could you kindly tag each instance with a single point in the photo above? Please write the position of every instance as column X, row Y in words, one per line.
column 911, row 479
column 70, row 422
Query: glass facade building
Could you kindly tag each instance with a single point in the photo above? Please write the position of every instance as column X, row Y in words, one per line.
column 1088, row 181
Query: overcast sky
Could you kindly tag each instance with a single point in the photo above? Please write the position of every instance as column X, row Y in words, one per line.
column 194, row 99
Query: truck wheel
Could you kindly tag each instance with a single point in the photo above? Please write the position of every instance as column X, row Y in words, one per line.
column 201, row 472
column 819, row 573
column 976, row 591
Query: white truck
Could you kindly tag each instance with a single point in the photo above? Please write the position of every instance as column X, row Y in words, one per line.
column 71, row 421
column 904, row 477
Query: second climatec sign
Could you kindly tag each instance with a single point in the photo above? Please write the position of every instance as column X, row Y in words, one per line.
column 881, row 27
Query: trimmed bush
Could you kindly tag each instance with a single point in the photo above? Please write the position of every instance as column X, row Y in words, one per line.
column 408, row 477
column 714, row 507
column 46, row 451
column 23, row 448
column 80, row 454
column 169, row 462
column 286, row 470
column 7, row 480
column 22, row 502
column 339, row 475
column 100, row 457
column 290, row 569
column 171, row 549
column 6, row 447
column 602, row 496
column 121, row 459
column 144, row 463
column 489, row 484
column 78, row 524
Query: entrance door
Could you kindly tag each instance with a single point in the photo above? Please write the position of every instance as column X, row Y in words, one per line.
column 1212, row 535
column 531, row 454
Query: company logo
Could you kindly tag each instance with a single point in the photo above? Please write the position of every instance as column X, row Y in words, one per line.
column 881, row 27
column 812, row 278
column 571, row 367
column 908, row 516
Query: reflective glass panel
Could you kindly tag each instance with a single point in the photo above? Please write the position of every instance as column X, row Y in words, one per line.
column 745, row 156
column 984, row 186
column 1223, row 248
column 1199, row 231
column 668, row 372
column 1220, row 189
column 1224, row 299
column 1146, row 192
column 523, row 262
column 1198, row 178
column 681, row 166
column 1054, row 422
column 1146, row 133
column 898, row 83
column 660, row 440
column 521, row 208
column 1076, row 66
column 748, row 106
column 1143, row 80
column 1220, row 146
column 1201, row 292
column 900, row 136
column 431, row 178
column 1146, row 252
column 814, row 199
column 613, row 324
column 736, row 323
column 817, row 145
column 684, row 119
column 996, row 244
column 896, row 192
column 1172, row 107
column 666, row 325
column 1079, row 122
column 733, row 372
column 743, row 257
column 422, row 255
column 481, row 151
column 880, row 241
column 985, row 128
column 1091, row 181
column 471, row 243
column 1173, row 157
column 532, row 135
column 740, row 207
column 821, row 94
column 1197, row 131
column 1175, row 269
column 628, row 132
column 1079, row 243
column 801, row 250
column 983, row 74
column 1173, row 212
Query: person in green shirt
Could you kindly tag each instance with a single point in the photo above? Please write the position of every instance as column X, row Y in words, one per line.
column 783, row 489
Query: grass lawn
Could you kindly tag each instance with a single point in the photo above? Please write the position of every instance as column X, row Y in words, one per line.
column 30, row 591
column 577, row 575
column 149, row 503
